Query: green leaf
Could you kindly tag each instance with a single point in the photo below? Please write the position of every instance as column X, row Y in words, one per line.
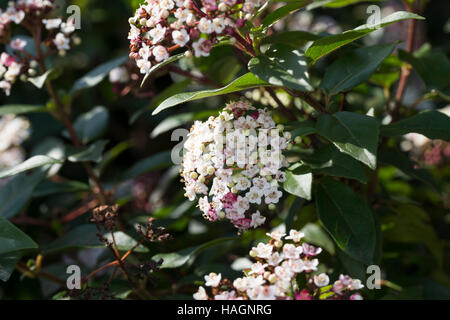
column 282, row 65
column 325, row 45
column 393, row 157
column 179, row 120
column 247, row 81
column 173, row 89
column 178, row 259
column 7, row 264
column 21, row 109
column 85, row 236
column 162, row 64
column 433, row 67
column 354, row 67
column 354, row 134
column 298, row 185
column 411, row 224
column 155, row 162
column 348, row 219
column 336, row 3
column 13, row 239
column 94, row 152
column 39, row 81
column 294, row 209
column 94, row 77
column 91, row 125
column 315, row 235
column 283, row 11
column 293, row 38
column 16, row 193
column 432, row 124
column 330, row 161
column 32, row 163
column 301, row 128
column 47, row 188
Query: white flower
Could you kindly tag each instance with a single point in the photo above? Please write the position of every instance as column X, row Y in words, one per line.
column 254, row 195
column 213, row 279
column 356, row 284
column 6, row 87
column 263, row 251
column 205, row 25
column 68, row 27
column 272, row 195
column 295, row 235
column 241, row 284
column 18, row 44
column 160, row 53
column 242, row 204
column 276, row 235
column 157, row 33
column 52, row 23
column 321, row 280
column 290, row 251
column 311, row 265
column 258, row 268
column 204, row 205
column 260, row 183
column 180, row 37
column 274, row 259
column 284, row 273
column 61, row 42
column 257, row 220
column 242, row 183
column 218, row 25
column 144, row 65
column 119, row 75
column 198, row 50
column 201, row 294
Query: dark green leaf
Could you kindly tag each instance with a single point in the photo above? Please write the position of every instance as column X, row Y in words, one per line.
column 46, row 188
column 94, row 152
column 178, row 259
column 85, row 236
column 293, row 38
column 399, row 160
column 282, row 65
column 298, row 185
column 32, row 163
column 21, row 109
column 354, row 134
column 7, row 264
column 348, row 219
column 335, row 3
column 354, row 67
column 155, row 162
column 162, row 64
column 247, row 81
column 283, row 11
column 315, row 235
column 433, row 124
column 94, row 77
column 13, row 239
column 91, row 125
column 39, row 81
column 325, row 45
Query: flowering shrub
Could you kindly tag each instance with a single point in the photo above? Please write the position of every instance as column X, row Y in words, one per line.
column 232, row 154
column 134, row 166
column 55, row 34
column 274, row 275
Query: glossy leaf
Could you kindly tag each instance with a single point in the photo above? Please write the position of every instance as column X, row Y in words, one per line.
column 348, row 219
column 432, row 124
column 247, row 81
column 354, row 67
column 293, row 38
column 178, row 259
column 354, row 134
column 12, row 239
column 298, row 184
column 93, row 152
column 282, row 65
column 91, row 125
column 21, row 109
column 155, row 162
column 85, row 236
column 94, row 77
column 283, row 11
column 7, row 264
column 325, row 45
column 29, row 164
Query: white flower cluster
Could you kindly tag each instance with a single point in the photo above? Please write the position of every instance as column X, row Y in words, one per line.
column 31, row 13
column 162, row 26
column 273, row 276
column 233, row 162
column 13, row 131
column 119, row 75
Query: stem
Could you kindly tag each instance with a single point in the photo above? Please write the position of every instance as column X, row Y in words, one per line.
column 22, row 267
column 63, row 116
column 405, row 70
